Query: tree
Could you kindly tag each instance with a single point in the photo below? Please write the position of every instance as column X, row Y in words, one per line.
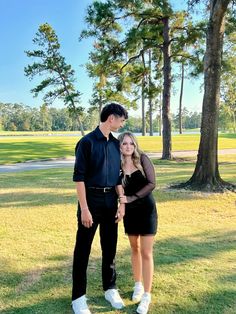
column 59, row 80
column 99, row 68
column 206, row 174
column 228, row 86
column 45, row 117
column 186, row 51
column 138, row 27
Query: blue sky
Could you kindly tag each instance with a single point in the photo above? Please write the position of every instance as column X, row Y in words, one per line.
column 19, row 22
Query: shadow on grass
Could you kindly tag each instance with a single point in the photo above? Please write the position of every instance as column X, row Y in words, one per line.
column 48, row 178
column 167, row 172
column 21, row 151
column 225, row 135
column 47, row 306
column 49, row 293
column 222, row 302
column 25, row 200
column 24, row 298
column 59, row 181
column 20, row 199
column 177, row 250
column 178, row 253
column 179, row 171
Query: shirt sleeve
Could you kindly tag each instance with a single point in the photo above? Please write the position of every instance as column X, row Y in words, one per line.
column 82, row 154
column 149, row 171
column 120, row 176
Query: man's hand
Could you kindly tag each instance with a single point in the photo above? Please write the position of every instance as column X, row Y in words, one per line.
column 86, row 218
column 120, row 212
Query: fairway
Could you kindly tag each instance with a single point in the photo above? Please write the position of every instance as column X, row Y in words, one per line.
column 194, row 249
column 19, row 149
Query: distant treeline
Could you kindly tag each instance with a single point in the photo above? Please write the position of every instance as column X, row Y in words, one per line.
column 19, row 117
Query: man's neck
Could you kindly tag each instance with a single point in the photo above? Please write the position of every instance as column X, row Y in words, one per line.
column 105, row 129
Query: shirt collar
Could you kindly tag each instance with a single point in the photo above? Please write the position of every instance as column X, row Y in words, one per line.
column 101, row 136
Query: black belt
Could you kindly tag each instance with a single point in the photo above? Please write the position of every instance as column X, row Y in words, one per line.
column 105, row 189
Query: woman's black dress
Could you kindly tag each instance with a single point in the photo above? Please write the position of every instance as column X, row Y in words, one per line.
column 141, row 213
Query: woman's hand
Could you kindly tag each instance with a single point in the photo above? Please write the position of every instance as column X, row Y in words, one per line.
column 122, row 199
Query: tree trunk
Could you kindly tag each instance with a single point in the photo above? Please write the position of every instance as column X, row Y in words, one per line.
column 80, row 126
column 150, row 93
column 72, row 105
column 150, row 117
column 234, row 122
column 166, row 121
column 180, row 99
column 99, row 108
column 77, row 116
column 143, row 111
column 160, row 116
column 206, row 175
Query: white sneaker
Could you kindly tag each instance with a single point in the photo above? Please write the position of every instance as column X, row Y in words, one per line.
column 138, row 292
column 112, row 295
column 80, row 306
column 144, row 304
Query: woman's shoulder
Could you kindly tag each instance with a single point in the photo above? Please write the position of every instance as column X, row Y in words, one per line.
column 144, row 156
column 145, row 160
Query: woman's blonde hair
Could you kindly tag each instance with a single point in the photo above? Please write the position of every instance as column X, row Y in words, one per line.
column 137, row 152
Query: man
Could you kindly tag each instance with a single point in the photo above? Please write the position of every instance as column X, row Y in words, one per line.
column 97, row 177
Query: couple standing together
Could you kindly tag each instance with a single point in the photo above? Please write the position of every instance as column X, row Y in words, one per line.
column 100, row 157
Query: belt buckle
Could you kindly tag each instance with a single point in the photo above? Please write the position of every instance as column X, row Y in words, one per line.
column 106, row 189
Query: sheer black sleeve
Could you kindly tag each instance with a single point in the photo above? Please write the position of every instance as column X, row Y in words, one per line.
column 149, row 171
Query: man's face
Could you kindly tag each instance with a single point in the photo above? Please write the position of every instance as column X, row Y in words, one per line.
column 117, row 123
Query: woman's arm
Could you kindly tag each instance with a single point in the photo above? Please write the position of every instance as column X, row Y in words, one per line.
column 149, row 171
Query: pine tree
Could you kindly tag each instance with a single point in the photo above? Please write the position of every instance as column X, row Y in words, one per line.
column 59, row 76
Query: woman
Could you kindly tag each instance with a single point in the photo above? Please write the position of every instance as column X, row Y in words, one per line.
column 140, row 220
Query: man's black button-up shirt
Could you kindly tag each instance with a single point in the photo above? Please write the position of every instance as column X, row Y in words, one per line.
column 97, row 160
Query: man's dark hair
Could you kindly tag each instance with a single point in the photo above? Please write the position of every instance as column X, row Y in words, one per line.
column 115, row 109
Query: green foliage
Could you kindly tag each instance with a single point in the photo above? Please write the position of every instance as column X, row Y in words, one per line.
column 59, row 76
column 190, row 120
column 127, row 33
column 227, row 117
column 18, row 117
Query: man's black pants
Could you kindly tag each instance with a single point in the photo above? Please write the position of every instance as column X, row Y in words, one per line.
column 103, row 207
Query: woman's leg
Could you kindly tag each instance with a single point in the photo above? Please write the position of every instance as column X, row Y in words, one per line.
column 136, row 260
column 146, row 244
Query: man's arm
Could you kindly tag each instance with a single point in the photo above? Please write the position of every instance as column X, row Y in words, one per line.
column 86, row 217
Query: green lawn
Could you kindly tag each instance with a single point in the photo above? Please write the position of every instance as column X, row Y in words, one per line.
column 194, row 250
column 18, row 149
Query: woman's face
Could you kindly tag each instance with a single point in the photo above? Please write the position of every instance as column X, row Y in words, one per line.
column 127, row 146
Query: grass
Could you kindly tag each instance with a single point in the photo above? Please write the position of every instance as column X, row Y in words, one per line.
column 38, row 133
column 194, row 249
column 19, row 149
